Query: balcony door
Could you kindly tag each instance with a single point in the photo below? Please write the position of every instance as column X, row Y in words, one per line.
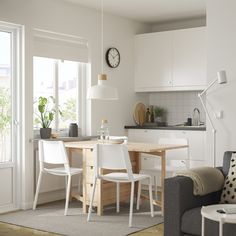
column 9, row 117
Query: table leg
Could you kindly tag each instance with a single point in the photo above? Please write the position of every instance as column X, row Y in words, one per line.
column 100, row 200
column 203, row 226
column 137, row 170
column 163, row 175
column 85, row 208
column 221, row 223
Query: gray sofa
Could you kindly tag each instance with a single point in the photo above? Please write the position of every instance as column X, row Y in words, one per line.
column 182, row 210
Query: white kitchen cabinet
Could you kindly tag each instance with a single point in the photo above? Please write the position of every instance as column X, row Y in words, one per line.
column 189, row 57
column 196, row 139
column 171, row 61
column 153, row 60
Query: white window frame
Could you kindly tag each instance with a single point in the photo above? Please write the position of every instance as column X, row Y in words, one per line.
column 81, row 91
column 17, row 32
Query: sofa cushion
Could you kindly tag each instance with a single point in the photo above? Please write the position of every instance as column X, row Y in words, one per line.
column 226, row 161
column 191, row 225
column 229, row 191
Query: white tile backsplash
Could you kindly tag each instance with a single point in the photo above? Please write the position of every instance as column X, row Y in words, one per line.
column 179, row 105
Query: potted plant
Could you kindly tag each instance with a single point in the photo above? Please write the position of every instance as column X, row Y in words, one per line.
column 46, row 115
column 160, row 113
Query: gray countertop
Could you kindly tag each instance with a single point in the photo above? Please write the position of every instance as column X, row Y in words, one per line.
column 196, row 128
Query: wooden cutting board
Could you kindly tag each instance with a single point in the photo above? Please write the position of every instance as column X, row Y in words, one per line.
column 139, row 113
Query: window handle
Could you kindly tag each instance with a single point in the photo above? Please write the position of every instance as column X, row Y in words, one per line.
column 16, row 122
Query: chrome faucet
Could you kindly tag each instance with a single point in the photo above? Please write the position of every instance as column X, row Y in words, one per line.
column 196, row 117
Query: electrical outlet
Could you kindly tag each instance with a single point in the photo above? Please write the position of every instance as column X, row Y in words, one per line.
column 219, row 114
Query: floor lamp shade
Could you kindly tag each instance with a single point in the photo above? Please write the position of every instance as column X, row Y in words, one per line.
column 221, row 76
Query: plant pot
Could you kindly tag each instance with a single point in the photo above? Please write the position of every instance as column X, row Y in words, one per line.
column 73, row 130
column 45, row 133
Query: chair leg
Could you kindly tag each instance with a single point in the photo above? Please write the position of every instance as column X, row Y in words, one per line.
column 79, row 184
column 131, row 204
column 150, row 197
column 139, row 194
column 37, row 190
column 117, row 197
column 66, row 182
column 92, row 198
column 67, row 194
column 155, row 187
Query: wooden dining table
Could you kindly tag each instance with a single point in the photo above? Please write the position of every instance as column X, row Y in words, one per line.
column 106, row 191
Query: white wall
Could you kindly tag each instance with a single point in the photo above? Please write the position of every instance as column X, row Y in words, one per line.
column 221, row 54
column 62, row 17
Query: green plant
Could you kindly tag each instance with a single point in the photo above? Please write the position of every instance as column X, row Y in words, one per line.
column 159, row 111
column 46, row 110
column 69, row 110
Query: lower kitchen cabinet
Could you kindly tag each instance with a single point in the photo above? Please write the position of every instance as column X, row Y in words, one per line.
column 196, row 140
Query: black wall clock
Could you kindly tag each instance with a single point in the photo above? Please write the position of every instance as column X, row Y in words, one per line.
column 113, row 57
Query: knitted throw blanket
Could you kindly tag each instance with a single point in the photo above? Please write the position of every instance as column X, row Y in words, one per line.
column 205, row 179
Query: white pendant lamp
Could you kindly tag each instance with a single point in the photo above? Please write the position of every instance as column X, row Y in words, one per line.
column 102, row 91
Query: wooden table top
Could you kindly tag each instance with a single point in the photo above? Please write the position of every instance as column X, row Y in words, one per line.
column 132, row 146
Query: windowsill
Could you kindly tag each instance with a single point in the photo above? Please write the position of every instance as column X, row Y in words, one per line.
column 67, row 139
column 62, row 136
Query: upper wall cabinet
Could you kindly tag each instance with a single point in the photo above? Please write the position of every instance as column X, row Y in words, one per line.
column 189, row 57
column 171, row 60
column 153, row 60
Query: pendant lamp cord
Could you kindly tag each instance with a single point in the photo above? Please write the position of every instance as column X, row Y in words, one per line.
column 102, row 34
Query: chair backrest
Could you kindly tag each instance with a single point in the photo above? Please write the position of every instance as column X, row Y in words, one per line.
column 113, row 157
column 52, row 152
column 174, row 156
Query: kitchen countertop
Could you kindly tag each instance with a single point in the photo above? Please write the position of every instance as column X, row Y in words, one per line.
column 196, row 128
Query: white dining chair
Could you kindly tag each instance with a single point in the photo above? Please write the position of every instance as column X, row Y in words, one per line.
column 54, row 153
column 116, row 157
column 176, row 160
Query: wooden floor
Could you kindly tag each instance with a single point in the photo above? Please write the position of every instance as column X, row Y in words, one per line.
column 13, row 230
column 156, row 230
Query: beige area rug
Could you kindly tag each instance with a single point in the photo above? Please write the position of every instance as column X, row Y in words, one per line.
column 7, row 229
column 50, row 218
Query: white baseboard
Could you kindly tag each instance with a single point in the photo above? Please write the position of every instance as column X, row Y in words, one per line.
column 7, row 208
column 46, row 197
column 51, row 196
column 26, row 205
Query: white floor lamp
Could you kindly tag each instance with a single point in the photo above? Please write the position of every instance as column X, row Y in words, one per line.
column 221, row 79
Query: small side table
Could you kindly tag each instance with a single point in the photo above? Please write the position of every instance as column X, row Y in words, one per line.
column 210, row 212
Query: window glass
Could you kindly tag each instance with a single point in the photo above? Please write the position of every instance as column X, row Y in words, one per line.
column 68, row 92
column 44, row 83
column 58, row 79
column 5, row 96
